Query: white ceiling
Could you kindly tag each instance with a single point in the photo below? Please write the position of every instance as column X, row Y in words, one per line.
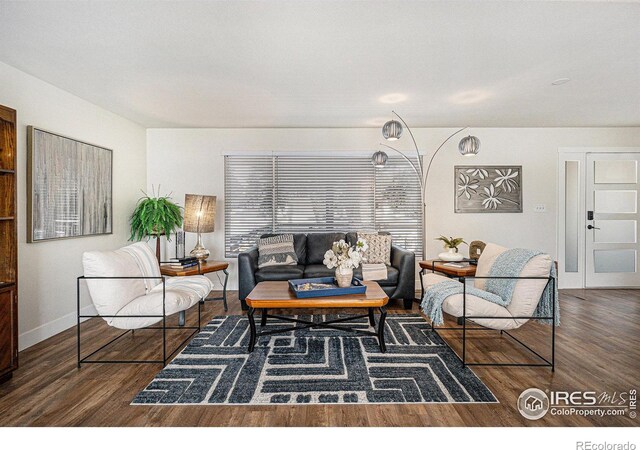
column 336, row 63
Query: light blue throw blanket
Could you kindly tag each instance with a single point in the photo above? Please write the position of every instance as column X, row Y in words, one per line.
column 499, row 291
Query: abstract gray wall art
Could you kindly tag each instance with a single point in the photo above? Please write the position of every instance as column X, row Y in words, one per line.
column 69, row 187
column 488, row 189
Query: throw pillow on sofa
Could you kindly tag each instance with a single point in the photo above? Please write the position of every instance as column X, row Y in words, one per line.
column 276, row 251
column 379, row 251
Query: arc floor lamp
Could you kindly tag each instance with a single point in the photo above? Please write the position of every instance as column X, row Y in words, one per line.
column 392, row 131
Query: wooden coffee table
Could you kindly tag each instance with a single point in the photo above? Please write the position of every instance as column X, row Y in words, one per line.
column 277, row 295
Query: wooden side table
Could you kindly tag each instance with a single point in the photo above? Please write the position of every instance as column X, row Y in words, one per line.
column 436, row 265
column 201, row 269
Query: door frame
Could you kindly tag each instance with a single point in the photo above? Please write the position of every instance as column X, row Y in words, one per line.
column 576, row 280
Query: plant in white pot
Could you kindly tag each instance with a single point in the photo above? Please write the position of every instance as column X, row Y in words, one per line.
column 344, row 258
column 451, row 246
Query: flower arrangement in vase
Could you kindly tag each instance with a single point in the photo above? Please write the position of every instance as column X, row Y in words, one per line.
column 344, row 258
column 451, row 246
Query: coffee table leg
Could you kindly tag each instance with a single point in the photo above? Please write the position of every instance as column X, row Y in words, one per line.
column 372, row 320
column 383, row 316
column 263, row 320
column 252, row 328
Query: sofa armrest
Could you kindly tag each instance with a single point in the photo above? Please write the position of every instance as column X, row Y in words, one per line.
column 405, row 262
column 398, row 254
column 247, row 267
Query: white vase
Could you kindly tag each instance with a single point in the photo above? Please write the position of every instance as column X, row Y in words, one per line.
column 344, row 277
column 451, row 255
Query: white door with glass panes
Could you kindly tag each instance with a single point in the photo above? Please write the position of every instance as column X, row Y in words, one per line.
column 612, row 220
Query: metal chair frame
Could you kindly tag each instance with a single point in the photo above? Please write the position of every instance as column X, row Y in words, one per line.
column 464, row 328
column 165, row 357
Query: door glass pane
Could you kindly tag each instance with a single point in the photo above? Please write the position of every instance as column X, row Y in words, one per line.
column 615, row 201
column 616, row 231
column 571, row 216
column 614, row 261
column 615, row 171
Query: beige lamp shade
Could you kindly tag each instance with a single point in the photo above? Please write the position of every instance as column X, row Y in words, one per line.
column 199, row 213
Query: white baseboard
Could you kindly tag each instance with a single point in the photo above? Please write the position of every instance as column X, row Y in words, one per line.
column 45, row 331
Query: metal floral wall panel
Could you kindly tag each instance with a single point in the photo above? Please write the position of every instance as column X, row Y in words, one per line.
column 488, row 189
column 69, row 187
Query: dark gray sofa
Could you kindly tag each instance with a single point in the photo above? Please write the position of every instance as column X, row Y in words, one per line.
column 310, row 249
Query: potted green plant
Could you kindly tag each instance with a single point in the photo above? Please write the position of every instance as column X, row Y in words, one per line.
column 154, row 217
column 451, row 245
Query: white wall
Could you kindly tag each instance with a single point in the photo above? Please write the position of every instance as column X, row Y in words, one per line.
column 48, row 270
column 191, row 161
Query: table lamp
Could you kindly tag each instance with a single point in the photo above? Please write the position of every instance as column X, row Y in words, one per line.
column 199, row 217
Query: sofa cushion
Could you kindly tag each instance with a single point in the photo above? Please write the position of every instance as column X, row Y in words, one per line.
column 147, row 262
column 527, row 293
column 319, row 243
column 486, row 260
column 351, row 238
column 181, row 293
column 276, row 251
column 318, row 270
column 392, row 276
column 299, row 245
column 475, row 306
column 379, row 251
column 279, row 273
column 110, row 295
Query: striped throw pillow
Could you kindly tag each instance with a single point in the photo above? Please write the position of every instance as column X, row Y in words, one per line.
column 276, row 251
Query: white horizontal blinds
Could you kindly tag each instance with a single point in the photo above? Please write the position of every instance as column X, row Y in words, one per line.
column 398, row 204
column 248, row 201
column 289, row 194
column 323, row 194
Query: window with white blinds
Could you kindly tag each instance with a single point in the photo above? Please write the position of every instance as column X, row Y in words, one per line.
column 397, row 204
column 248, row 201
column 323, row 194
column 298, row 194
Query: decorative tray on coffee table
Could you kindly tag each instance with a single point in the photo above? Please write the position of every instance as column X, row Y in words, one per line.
column 324, row 287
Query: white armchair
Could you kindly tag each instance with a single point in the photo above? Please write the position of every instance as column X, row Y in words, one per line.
column 129, row 293
column 532, row 281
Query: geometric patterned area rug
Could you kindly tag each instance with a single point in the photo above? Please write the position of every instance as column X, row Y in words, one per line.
column 316, row 366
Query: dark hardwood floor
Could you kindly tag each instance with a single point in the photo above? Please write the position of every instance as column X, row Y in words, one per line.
column 598, row 348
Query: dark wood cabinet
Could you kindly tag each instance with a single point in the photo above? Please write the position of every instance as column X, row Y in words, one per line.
column 8, row 332
column 8, row 245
